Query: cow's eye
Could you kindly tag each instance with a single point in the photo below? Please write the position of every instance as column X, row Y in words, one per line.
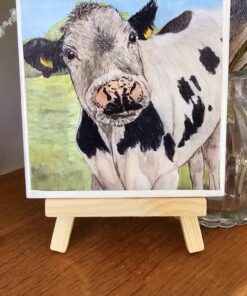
column 132, row 38
column 70, row 55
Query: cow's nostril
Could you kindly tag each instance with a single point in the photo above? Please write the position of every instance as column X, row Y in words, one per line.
column 108, row 96
column 101, row 97
column 136, row 92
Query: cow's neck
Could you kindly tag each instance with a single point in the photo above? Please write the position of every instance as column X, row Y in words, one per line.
column 157, row 80
column 145, row 131
column 108, row 133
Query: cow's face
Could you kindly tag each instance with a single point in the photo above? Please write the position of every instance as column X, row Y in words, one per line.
column 101, row 52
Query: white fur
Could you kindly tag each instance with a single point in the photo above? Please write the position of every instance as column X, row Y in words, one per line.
column 177, row 56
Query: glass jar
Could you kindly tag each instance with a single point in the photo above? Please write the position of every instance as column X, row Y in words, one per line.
column 231, row 209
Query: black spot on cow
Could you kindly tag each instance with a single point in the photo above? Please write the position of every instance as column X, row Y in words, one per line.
column 190, row 128
column 88, row 137
column 169, row 146
column 178, row 24
column 209, row 59
column 194, row 80
column 185, row 90
column 221, row 39
column 188, row 131
column 210, row 108
column 198, row 113
column 147, row 131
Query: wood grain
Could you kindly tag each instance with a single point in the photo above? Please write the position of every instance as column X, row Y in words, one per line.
column 112, row 256
column 126, row 207
column 192, row 234
column 61, row 234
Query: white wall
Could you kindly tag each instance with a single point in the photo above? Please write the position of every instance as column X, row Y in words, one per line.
column 11, row 152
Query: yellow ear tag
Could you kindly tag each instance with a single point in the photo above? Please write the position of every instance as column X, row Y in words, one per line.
column 148, row 33
column 46, row 63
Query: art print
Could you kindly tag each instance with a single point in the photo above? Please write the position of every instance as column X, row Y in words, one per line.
column 124, row 98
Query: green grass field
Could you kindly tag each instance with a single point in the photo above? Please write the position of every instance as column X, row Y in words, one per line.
column 53, row 114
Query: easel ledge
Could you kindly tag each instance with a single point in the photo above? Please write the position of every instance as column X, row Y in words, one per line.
column 187, row 209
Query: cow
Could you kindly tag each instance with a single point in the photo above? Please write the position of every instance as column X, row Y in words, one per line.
column 149, row 105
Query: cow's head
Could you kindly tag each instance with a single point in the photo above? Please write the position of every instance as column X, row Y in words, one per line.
column 101, row 53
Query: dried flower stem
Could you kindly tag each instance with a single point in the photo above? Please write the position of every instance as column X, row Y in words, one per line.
column 11, row 20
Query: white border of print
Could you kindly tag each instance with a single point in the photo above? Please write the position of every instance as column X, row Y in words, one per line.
column 131, row 193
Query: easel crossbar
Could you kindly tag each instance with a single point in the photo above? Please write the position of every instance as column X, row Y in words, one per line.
column 140, row 207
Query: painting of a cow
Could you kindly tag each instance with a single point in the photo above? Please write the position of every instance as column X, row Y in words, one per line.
column 149, row 104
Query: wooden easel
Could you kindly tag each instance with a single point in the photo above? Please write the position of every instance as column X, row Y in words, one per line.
column 66, row 210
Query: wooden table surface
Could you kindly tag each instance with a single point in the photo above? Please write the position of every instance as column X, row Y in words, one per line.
column 120, row 256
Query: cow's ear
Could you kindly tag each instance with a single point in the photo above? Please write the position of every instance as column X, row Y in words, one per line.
column 44, row 55
column 143, row 20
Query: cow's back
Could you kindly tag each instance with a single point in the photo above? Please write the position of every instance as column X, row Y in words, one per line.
column 184, row 72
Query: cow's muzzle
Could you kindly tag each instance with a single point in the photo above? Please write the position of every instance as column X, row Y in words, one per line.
column 119, row 96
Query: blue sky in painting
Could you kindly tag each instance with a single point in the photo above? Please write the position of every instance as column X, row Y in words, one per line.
column 39, row 16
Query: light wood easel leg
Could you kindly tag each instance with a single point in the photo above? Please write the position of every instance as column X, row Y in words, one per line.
column 61, row 234
column 192, row 234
